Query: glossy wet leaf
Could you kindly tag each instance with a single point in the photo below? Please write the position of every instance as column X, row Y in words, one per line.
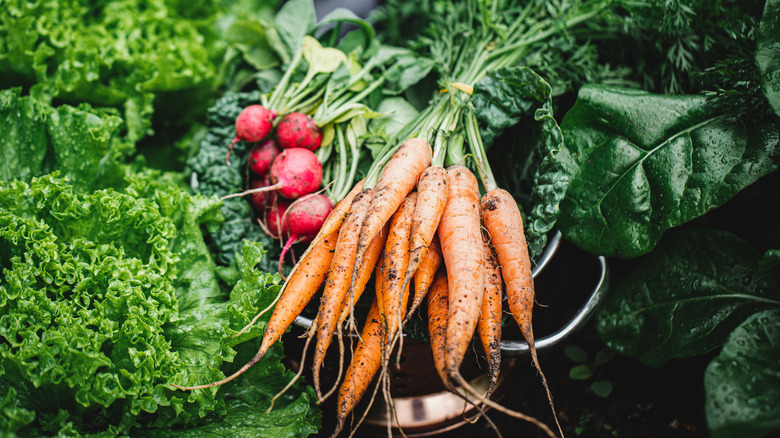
column 742, row 383
column 686, row 296
column 640, row 164
column 768, row 53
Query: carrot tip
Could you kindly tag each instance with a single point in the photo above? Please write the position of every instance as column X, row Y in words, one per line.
column 339, row 427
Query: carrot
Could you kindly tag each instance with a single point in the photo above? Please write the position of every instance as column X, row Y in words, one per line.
column 398, row 179
column 504, row 224
column 489, row 323
column 304, row 281
column 461, row 246
column 432, row 189
column 395, row 260
column 338, row 282
column 423, row 277
column 365, row 363
column 437, row 299
column 438, row 309
column 373, row 253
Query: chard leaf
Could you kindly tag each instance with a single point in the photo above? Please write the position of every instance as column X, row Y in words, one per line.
column 768, row 53
column 742, row 384
column 501, row 100
column 641, row 163
column 686, row 296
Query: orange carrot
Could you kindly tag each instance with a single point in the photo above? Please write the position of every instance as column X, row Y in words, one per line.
column 398, row 179
column 366, row 361
column 504, row 224
column 338, row 282
column 303, row 282
column 372, row 255
column 489, row 323
column 437, row 299
column 395, row 260
column 423, row 277
column 461, row 246
column 374, row 251
column 432, row 189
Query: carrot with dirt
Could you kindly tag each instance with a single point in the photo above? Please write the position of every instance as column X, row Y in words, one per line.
column 489, row 323
column 395, row 260
column 398, row 179
column 337, row 285
column 365, row 363
column 461, row 245
column 504, row 224
column 432, row 190
column 438, row 308
column 423, row 277
column 372, row 257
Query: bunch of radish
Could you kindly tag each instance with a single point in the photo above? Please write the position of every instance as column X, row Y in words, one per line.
column 285, row 174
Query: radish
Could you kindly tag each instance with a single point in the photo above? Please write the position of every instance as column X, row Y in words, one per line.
column 303, row 220
column 252, row 125
column 262, row 155
column 295, row 172
column 298, row 130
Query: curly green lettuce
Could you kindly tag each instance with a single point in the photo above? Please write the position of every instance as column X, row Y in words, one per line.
column 109, row 297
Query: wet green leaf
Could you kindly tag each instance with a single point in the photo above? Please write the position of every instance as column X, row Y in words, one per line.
column 742, row 383
column 640, row 164
column 686, row 296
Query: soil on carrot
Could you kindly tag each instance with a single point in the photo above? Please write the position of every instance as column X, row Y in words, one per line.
column 622, row 397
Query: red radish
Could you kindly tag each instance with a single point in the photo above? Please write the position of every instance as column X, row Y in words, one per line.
column 303, row 220
column 295, row 172
column 298, row 130
column 260, row 200
column 252, row 125
column 275, row 223
column 262, row 155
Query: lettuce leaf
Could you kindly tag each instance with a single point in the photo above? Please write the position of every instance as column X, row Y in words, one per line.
column 109, row 297
column 82, row 143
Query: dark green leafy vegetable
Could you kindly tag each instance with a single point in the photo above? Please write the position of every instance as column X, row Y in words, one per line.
column 742, row 382
column 686, row 296
column 641, row 163
column 211, row 176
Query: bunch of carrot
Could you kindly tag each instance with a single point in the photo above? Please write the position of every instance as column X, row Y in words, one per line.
column 416, row 222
